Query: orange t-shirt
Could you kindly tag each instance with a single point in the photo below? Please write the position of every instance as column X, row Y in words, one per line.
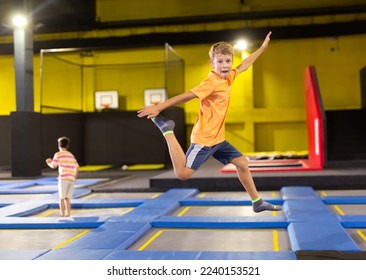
column 214, row 95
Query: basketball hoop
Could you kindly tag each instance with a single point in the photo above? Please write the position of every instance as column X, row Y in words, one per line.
column 105, row 106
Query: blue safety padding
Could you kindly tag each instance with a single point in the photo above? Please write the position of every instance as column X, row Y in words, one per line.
column 45, row 181
column 198, row 255
column 307, row 210
column 21, row 184
column 21, row 254
column 298, row 192
column 320, row 235
column 157, row 208
column 282, row 255
column 89, row 182
column 353, row 221
column 54, row 181
column 344, row 199
column 10, row 202
column 221, row 222
column 76, row 254
column 103, row 203
column 132, row 218
column 25, row 191
column 28, row 207
column 81, row 193
column 50, row 222
column 178, row 194
column 152, row 255
column 133, row 238
column 23, row 208
column 78, row 193
column 220, row 201
column 110, row 236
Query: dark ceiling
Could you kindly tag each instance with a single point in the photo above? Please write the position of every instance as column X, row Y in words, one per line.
column 54, row 16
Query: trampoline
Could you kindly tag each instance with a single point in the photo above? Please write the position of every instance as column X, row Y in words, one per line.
column 180, row 223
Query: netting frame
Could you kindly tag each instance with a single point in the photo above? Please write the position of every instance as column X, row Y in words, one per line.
column 167, row 61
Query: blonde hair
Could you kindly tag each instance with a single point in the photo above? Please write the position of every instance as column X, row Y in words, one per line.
column 221, row 48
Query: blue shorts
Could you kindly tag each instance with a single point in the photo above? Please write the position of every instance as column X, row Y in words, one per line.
column 224, row 152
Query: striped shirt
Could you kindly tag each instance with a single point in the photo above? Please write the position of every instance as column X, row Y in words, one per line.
column 67, row 165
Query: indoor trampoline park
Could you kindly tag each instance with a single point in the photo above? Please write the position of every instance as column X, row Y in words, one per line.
column 101, row 79
column 111, row 222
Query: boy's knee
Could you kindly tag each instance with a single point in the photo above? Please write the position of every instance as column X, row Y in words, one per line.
column 242, row 164
column 183, row 176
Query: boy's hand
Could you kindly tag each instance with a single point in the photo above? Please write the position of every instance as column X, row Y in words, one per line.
column 266, row 40
column 149, row 111
column 48, row 161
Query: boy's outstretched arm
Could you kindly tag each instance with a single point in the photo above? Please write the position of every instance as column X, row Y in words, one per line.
column 154, row 110
column 246, row 63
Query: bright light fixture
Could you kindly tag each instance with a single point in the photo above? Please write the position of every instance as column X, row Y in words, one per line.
column 241, row 45
column 19, row 21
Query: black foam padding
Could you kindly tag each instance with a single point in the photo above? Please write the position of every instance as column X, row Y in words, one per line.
column 26, row 144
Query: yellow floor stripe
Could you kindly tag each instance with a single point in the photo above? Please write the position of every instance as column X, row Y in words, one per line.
column 48, row 213
column 125, row 212
column 94, row 167
column 183, row 211
column 70, row 240
column 156, row 195
column 150, row 240
column 323, row 193
column 89, row 196
column 145, row 167
column 276, row 246
column 339, row 210
column 360, row 233
column 201, row 195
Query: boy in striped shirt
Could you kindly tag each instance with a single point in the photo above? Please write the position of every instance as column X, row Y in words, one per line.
column 68, row 171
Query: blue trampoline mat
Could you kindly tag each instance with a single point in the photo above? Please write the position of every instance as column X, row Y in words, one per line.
column 109, row 238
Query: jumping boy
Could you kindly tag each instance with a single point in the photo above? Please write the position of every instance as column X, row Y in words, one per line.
column 208, row 134
column 68, row 171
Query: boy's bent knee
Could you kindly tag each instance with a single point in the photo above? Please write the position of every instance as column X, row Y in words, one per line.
column 241, row 163
column 183, row 177
column 184, row 174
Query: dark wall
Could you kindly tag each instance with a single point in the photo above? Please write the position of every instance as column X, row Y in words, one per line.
column 5, row 141
column 123, row 138
column 346, row 134
column 363, row 87
column 26, row 141
column 101, row 138
column 58, row 125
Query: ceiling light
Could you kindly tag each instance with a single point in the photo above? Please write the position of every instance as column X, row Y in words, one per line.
column 241, row 45
column 19, row 21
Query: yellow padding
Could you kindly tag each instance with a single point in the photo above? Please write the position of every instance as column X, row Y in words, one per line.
column 145, row 166
column 94, row 167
